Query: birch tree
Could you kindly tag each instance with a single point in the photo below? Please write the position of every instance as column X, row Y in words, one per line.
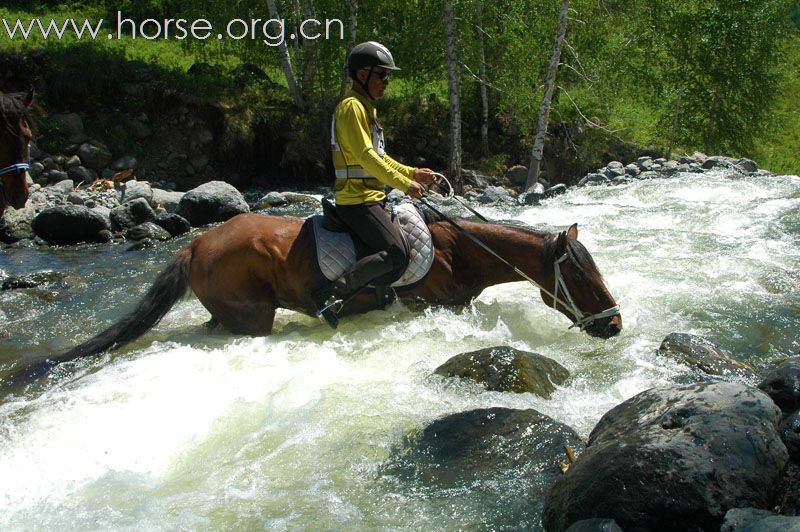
column 353, row 25
column 549, row 87
column 286, row 63
column 482, row 81
column 454, row 160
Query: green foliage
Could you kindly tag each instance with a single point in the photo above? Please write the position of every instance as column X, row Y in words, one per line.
column 728, row 69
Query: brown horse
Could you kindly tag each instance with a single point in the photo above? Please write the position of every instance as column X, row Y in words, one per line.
column 246, row 268
column 15, row 135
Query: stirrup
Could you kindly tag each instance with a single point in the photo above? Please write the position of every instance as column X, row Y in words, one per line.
column 329, row 309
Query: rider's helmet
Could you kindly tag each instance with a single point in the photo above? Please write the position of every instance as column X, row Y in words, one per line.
column 369, row 54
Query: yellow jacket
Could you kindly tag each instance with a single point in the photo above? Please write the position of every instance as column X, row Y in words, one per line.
column 362, row 166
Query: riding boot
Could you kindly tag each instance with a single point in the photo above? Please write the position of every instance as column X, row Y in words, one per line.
column 362, row 273
column 329, row 299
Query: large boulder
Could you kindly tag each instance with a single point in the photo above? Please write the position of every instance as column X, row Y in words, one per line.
column 783, row 385
column 703, row 355
column 504, row 369
column 71, row 224
column 95, row 155
column 215, row 201
column 509, row 455
column 675, row 458
column 15, row 224
column 131, row 214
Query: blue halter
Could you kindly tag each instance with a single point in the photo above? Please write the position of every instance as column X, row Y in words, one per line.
column 19, row 167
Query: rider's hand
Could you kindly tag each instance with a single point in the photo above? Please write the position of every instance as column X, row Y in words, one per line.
column 424, row 176
column 415, row 190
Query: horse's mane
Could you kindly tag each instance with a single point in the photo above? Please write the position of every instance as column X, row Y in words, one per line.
column 12, row 111
column 577, row 253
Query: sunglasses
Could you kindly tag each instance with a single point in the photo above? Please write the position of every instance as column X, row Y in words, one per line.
column 383, row 76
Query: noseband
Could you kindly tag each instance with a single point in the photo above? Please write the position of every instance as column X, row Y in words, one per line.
column 18, row 168
column 580, row 320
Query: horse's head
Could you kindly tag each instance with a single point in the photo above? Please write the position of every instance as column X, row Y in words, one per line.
column 576, row 287
column 15, row 136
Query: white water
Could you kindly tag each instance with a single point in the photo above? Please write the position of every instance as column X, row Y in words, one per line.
column 188, row 430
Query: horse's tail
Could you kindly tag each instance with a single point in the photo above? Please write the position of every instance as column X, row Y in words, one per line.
column 168, row 288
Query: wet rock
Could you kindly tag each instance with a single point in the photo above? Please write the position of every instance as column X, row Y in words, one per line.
column 131, row 214
column 71, row 224
column 755, row 520
column 505, row 369
column 595, row 525
column 145, row 243
column 511, row 454
column 32, row 280
column 495, row 195
column 532, row 196
column 649, row 174
column 173, row 223
column 644, row 163
column 147, row 230
column 790, row 435
column 703, row 355
column 782, row 384
column 746, row 165
column 555, row 190
column 136, row 189
column 675, row 458
column 169, row 200
column 212, row 202
column 593, row 179
column 273, row 199
column 295, row 198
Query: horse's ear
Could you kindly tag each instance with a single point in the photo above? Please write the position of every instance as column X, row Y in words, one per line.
column 28, row 98
column 573, row 231
column 561, row 243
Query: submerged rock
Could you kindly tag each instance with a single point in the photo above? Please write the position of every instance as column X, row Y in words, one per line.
column 703, row 355
column 32, row 280
column 505, row 369
column 511, row 456
column 783, row 385
column 755, row 520
column 675, row 458
column 595, row 525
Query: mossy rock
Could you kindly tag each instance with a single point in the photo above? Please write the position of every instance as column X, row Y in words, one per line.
column 505, row 369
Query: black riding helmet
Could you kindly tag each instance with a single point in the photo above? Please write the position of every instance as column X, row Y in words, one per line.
column 369, row 54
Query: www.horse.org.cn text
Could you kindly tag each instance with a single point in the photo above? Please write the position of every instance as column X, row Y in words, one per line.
column 270, row 31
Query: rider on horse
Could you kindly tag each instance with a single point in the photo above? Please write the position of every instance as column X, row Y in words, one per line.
column 363, row 169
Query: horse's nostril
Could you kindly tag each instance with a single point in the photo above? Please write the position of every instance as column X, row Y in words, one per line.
column 614, row 328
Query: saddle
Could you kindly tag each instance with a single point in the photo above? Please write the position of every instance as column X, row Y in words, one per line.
column 336, row 250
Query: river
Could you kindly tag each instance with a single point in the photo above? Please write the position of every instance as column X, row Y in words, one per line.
column 186, row 429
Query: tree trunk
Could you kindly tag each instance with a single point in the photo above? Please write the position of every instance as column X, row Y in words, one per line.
column 549, row 87
column 482, row 74
column 286, row 63
column 454, row 162
column 675, row 125
column 309, row 51
column 353, row 28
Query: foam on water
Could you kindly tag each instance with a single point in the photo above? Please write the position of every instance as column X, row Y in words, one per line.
column 187, row 429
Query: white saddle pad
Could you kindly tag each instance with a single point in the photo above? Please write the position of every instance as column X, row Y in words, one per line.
column 336, row 251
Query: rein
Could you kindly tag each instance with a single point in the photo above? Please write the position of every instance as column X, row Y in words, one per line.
column 580, row 320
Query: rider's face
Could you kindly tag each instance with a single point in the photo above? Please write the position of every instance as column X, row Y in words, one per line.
column 378, row 81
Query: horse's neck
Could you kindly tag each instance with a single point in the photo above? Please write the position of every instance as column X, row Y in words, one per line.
column 521, row 248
